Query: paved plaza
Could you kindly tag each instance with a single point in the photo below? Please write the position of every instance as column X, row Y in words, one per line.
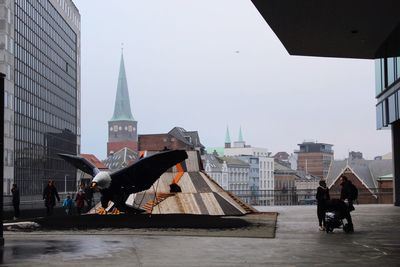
column 376, row 242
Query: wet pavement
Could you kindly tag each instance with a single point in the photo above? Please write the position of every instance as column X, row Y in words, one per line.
column 298, row 242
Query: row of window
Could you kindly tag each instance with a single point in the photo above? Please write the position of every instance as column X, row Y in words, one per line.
column 45, row 13
column 70, row 13
column 387, row 71
column 388, row 111
column 42, row 96
column 43, row 66
column 117, row 128
column 266, row 184
column 40, row 38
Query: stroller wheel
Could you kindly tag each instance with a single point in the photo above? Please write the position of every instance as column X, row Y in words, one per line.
column 329, row 229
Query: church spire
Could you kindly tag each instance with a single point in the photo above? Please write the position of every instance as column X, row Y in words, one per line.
column 240, row 134
column 122, row 108
column 227, row 138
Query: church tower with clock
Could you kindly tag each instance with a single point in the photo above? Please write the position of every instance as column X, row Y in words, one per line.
column 122, row 128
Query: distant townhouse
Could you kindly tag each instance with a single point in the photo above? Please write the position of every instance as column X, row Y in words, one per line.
column 373, row 178
column 177, row 138
column 284, row 185
column 217, row 169
column 306, row 185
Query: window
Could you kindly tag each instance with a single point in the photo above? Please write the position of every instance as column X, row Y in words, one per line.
column 379, row 76
column 392, row 108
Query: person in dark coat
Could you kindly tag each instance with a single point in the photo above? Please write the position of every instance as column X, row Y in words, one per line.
column 49, row 196
column 89, row 197
column 80, row 200
column 15, row 200
column 322, row 197
column 345, row 194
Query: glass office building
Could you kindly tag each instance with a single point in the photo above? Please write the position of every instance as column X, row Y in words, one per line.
column 387, row 74
column 42, row 95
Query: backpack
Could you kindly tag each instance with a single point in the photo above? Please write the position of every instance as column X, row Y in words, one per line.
column 353, row 194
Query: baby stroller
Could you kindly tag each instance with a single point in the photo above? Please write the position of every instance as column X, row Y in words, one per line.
column 336, row 211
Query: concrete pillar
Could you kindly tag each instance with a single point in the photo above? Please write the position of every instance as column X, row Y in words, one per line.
column 396, row 161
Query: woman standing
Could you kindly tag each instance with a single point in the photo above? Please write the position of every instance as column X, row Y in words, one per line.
column 322, row 197
column 80, row 200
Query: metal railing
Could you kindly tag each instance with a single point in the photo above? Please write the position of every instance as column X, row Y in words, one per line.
column 285, row 197
column 293, row 196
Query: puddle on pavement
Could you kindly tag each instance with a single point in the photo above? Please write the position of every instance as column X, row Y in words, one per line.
column 76, row 249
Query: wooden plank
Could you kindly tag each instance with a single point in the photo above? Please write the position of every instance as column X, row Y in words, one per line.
column 200, row 204
column 212, row 204
column 168, row 206
column 163, row 183
column 189, row 203
column 232, row 202
column 186, row 184
column 199, row 183
column 213, row 185
column 227, row 206
column 192, row 162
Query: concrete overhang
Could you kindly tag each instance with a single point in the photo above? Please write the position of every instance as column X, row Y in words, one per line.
column 334, row 28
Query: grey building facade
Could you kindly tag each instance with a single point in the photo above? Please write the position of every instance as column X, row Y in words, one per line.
column 40, row 55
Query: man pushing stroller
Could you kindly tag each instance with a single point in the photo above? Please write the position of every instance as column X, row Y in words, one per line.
column 339, row 209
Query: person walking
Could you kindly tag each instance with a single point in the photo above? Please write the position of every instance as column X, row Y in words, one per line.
column 322, row 197
column 50, row 195
column 89, row 197
column 348, row 193
column 67, row 204
column 80, row 200
column 15, row 200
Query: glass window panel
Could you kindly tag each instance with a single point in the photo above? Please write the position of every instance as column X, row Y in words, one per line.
column 378, row 76
column 390, row 70
column 397, row 67
column 385, row 116
column 392, row 108
column 379, row 115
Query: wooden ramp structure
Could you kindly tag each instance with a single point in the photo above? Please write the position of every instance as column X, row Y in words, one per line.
column 198, row 193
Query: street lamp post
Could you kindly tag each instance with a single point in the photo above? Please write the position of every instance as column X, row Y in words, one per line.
column 65, row 183
column 2, row 76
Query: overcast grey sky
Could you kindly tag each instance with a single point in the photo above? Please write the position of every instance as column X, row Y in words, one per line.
column 206, row 64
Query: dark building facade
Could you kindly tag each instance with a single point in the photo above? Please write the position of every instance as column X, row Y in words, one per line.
column 367, row 29
column 122, row 128
column 42, row 112
column 177, row 138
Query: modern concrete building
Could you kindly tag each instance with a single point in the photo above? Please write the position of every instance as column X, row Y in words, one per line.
column 364, row 29
column 314, row 158
column 40, row 55
column 122, row 128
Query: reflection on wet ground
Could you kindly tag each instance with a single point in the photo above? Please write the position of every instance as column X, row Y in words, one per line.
column 298, row 242
column 69, row 249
